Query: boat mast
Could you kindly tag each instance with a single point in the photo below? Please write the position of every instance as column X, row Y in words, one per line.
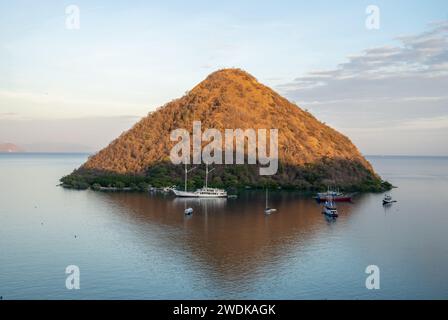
column 206, row 174
column 186, row 172
column 266, row 197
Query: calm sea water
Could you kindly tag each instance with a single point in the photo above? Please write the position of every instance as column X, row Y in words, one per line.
column 142, row 246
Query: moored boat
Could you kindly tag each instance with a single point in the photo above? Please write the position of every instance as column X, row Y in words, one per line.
column 204, row 192
column 388, row 199
column 329, row 208
column 335, row 195
column 267, row 209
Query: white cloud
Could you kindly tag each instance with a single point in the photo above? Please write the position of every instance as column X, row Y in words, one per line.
column 417, row 58
column 390, row 88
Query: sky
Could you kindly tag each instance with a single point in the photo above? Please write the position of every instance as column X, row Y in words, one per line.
column 75, row 90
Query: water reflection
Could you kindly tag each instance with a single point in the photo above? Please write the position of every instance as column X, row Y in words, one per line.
column 387, row 207
column 204, row 204
column 141, row 246
column 232, row 237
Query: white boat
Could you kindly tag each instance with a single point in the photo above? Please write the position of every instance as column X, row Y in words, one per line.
column 329, row 208
column 335, row 195
column 330, row 193
column 267, row 209
column 204, row 192
column 166, row 189
column 188, row 211
column 387, row 199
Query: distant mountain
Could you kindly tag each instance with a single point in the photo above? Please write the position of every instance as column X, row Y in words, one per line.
column 10, row 147
column 311, row 154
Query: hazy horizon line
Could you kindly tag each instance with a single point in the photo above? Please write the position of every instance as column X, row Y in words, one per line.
column 92, row 153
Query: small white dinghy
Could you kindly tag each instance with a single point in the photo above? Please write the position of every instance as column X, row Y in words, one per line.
column 188, row 211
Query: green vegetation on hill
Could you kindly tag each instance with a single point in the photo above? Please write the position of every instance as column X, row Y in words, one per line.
column 312, row 177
